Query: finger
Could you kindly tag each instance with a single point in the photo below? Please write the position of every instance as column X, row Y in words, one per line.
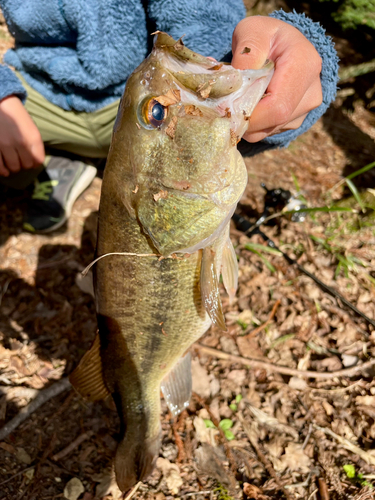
column 38, row 153
column 3, row 171
column 262, row 124
column 250, row 44
column 25, row 158
column 11, row 160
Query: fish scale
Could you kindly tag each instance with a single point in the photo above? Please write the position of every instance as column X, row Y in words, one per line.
column 172, row 181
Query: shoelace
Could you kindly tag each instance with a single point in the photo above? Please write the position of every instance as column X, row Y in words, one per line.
column 42, row 190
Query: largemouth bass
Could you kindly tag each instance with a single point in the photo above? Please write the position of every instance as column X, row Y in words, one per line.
column 171, row 184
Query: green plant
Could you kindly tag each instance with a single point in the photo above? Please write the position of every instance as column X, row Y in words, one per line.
column 351, row 473
column 225, row 425
column 353, row 13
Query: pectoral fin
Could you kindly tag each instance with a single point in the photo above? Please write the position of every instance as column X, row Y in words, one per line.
column 230, row 270
column 177, row 385
column 210, row 289
column 87, row 378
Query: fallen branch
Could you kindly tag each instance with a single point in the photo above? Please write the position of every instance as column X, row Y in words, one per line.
column 74, row 444
column 348, row 445
column 256, row 363
column 44, row 396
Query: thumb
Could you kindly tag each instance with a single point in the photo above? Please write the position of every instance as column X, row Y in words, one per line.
column 251, row 43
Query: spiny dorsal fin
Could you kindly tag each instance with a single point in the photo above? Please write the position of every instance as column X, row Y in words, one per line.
column 177, row 385
column 210, row 289
column 87, row 378
column 230, row 270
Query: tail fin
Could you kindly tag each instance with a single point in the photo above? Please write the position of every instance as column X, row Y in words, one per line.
column 135, row 460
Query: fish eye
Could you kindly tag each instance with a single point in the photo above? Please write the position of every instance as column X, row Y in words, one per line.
column 154, row 113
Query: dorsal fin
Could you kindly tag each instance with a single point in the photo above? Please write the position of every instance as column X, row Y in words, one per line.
column 87, row 378
column 230, row 270
column 210, row 289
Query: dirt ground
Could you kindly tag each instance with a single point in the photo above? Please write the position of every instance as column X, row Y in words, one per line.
column 252, row 430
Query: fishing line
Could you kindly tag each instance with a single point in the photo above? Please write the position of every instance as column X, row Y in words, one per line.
column 130, row 254
column 87, row 269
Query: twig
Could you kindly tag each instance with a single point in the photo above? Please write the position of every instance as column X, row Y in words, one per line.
column 44, row 396
column 195, row 493
column 267, row 464
column 180, row 445
column 323, row 490
column 16, row 475
column 133, row 491
column 356, row 70
column 307, row 437
column 264, row 325
column 348, row 445
column 313, row 494
column 256, row 363
column 74, row 444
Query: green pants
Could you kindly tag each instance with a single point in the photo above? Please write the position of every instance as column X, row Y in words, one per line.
column 86, row 135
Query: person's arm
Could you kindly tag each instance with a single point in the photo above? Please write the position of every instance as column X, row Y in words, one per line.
column 305, row 79
column 21, row 145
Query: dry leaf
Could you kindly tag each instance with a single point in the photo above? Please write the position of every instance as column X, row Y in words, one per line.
column 107, row 485
column 190, row 109
column 171, row 97
column 160, row 194
column 295, row 458
column 73, row 489
column 204, row 434
column 23, row 456
column 233, row 138
column 201, row 379
column 216, row 67
column 205, row 88
column 171, row 474
column 171, row 129
column 365, row 400
column 210, row 462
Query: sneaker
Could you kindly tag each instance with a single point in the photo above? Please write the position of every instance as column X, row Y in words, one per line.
column 55, row 190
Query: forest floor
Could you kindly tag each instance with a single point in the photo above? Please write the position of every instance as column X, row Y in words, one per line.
column 252, row 430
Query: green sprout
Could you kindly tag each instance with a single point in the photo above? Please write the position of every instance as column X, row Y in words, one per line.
column 351, row 473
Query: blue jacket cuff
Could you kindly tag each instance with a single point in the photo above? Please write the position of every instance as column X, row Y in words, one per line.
column 10, row 84
column 329, row 76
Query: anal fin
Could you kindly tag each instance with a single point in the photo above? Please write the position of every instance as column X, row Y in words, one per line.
column 230, row 270
column 210, row 289
column 177, row 385
column 87, row 378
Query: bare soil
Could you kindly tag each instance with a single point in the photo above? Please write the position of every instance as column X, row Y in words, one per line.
column 293, row 436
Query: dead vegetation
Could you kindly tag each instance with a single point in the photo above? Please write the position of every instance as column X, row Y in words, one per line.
column 251, row 430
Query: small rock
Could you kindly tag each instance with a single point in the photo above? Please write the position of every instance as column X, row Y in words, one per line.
column 348, row 360
column 73, row 489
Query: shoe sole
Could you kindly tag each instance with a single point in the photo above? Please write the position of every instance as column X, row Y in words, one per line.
column 79, row 187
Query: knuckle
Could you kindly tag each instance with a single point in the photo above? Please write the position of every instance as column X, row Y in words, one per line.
column 282, row 112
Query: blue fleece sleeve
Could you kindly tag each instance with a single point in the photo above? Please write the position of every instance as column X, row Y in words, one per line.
column 329, row 77
column 10, row 84
column 208, row 26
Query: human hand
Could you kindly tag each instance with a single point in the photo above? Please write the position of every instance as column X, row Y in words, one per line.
column 21, row 145
column 295, row 88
